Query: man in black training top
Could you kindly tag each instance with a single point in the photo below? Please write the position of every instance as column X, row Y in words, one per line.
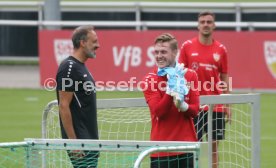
column 76, row 96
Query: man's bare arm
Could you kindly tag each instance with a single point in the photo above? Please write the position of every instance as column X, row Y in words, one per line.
column 65, row 99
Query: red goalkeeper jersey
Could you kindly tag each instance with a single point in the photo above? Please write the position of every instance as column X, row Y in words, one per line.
column 168, row 124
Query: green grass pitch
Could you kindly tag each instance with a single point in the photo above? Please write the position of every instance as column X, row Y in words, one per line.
column 21, row 114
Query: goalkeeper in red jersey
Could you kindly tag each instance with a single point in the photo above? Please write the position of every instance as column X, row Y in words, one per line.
column 172, row 102
column 208, row 58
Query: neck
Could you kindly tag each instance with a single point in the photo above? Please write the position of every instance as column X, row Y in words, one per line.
column 79, row 56
column 172, row 65
column 205, row 40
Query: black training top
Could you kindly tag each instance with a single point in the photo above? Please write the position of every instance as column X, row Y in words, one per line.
column 73, row 76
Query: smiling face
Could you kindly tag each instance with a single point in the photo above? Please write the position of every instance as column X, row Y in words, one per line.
column 164, row 54
column 206, row 25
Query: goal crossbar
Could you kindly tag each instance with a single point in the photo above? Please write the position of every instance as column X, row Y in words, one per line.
column 103, row 145
column 36, row 148
column 251, row 100
column 140, row 102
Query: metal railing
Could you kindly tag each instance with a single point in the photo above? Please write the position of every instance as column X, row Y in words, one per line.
column 144, row 25
column 138, row 7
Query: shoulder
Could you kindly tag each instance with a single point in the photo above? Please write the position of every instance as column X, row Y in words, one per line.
column 67, row 67
column 68, row 62
column 151, row 76
column 188, row 43
column 220, row 45
column 148, row 82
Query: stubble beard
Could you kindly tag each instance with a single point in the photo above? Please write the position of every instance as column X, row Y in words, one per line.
column 91, row 55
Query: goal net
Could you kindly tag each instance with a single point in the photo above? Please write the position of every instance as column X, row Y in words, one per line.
column 240, row 143
column 118, row 119
column 124, row 130
column 128, row 119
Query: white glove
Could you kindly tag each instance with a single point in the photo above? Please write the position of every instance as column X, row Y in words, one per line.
column 183, row 106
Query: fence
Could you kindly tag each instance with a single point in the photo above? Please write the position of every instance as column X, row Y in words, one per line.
column 140, row 16
column 138, row 8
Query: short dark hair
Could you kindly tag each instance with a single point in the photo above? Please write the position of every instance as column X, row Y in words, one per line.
column 167, row 37
column 205, row 13
column 80, row 33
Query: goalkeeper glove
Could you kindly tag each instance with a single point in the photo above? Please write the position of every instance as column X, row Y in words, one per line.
column 171, row 83
column 183, row 106
column 181, row 85
column 166, row 70
column 181, row 88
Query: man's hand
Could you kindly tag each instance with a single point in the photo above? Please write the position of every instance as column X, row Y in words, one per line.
column 176, row 84
column 228, row 113
column 181, row 83
column 181, row 88
column 76, row 154
column 177, row 99
column 171, row 84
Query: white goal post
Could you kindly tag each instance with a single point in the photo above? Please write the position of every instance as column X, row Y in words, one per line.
column 240, row 148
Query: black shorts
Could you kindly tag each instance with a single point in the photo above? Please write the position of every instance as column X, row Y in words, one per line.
column 201, row 125
column 178, row 161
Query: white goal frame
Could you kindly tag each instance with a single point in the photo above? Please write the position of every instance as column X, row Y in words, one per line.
column 252, row 99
